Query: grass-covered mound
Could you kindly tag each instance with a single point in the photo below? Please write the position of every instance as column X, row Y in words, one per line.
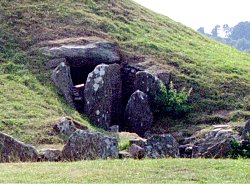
column 218, row 74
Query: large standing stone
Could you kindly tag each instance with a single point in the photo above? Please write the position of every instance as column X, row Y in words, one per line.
column 86, row 145
column 162, row 146
column 87, row 55
column 62, row 79
column 138, row 115
column 12, row 150
column 103, row 96
column 246, row 131
column 147, row 83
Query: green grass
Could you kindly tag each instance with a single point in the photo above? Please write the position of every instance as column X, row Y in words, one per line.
column 218, row 74
column 130, row 171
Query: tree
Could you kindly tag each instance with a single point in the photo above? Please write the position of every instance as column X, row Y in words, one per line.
column 201, row 30
column 241, row 30
column 215, row 30
column 227, row 30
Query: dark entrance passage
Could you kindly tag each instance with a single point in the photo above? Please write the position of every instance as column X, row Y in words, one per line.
column 79, row 77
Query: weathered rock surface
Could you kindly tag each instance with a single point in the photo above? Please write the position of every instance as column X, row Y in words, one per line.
column 246, row 131
column 62, row 79
column 87, row 145
column 139, row 142
column 103, row 96
column 12, row 150
column 147, row 83
column 138, row 115
column 53, row 63
column 50, row 155
column 67, row 126
column 124, row 155
column 136, row 151
column 215, row 144
column 86, row 55
column 128, row 79
column 162, row 146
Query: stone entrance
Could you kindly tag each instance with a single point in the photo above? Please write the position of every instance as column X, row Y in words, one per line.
column 99, row 82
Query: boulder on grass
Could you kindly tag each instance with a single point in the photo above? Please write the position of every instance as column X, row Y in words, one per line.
column 138, row 115
column 215, row 144
column 162, row 146
column 103, row 96
column 12, row 150
column 87, row 145
column 50, row 155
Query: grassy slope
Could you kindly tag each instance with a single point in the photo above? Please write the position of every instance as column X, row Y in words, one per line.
column 129, row 171
column 220, row 75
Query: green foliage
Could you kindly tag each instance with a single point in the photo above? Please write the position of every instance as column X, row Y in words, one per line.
column 171, row 102
column 237, row 36
column 123, row 145
column 240, row 149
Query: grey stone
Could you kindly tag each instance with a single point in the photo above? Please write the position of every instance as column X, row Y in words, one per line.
column 50, row 155
column 53, row 63
column 221, row 126
column 86, row 55
column 67, row 126
column 62, row 80
column 136, row 151
column 138, row 142
column 138, row 115
column 87, row 145
column 124, row 155
column 12, row 150
column 103, row 96
column 114, row 131
column 162, row 146
column 147, row 83
column 215, row 144
column 246, row 131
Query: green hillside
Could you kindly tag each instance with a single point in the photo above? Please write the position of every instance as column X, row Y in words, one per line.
column 218, row 74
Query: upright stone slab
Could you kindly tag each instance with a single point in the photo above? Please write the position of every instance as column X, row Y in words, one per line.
column 138, row 115
column 12, row 150
column 87, row 145
column 103, row 96
column 147, row 83
column 62, row 79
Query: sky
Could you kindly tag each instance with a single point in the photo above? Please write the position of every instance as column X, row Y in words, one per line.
column 202, row 13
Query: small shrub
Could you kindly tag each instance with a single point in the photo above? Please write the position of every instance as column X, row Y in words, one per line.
column 123, row 145
column 171, row 102
column 240, row 149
